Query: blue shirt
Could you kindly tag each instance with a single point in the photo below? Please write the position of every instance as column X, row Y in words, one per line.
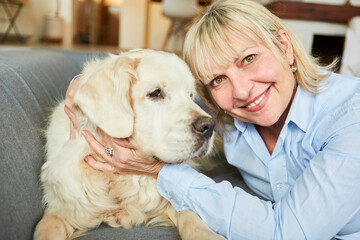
column 312, row 178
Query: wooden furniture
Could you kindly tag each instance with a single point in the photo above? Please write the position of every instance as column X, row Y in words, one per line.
column 8, row 5
column 314, row 12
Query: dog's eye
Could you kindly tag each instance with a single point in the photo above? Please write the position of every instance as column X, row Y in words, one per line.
column 156, row 93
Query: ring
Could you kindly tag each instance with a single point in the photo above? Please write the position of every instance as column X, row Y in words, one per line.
column 109, row 151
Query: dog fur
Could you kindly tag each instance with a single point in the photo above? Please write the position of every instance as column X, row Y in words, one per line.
column 146, row 96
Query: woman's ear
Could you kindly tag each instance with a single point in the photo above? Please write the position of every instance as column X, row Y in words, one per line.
column 286, row 46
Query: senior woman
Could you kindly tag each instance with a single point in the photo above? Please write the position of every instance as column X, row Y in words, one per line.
column 290, row 126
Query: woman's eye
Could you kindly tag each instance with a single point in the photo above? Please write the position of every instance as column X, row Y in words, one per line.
column 155, row 94
column 249, row 58
column 216, row 81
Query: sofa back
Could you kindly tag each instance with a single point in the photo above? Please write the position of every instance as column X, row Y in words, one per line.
column 31, row 82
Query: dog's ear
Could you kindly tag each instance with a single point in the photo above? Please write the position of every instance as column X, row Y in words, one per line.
column 104, row 94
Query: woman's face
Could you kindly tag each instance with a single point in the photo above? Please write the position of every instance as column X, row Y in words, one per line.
column 255, row 87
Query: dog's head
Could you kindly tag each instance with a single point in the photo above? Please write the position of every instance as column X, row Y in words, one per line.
column 147, row 96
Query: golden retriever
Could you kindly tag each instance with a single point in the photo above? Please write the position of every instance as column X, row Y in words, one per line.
column 148, row 97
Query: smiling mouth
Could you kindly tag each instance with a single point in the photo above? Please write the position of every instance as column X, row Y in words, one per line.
column 256, row 101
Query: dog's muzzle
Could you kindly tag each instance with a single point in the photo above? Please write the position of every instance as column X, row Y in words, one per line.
column 203, row 127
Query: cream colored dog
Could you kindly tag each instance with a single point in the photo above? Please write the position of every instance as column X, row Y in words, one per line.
column 146, row 96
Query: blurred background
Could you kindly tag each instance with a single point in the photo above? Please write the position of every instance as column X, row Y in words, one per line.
column 322, row 25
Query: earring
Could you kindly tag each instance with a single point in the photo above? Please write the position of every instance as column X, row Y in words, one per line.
column 293, row 68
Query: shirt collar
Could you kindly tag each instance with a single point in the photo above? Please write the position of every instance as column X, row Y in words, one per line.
column 240, row 125
column 302, row 109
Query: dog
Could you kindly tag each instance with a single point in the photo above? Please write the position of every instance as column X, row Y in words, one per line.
column 148, row 97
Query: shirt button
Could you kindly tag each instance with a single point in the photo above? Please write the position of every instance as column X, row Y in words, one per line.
column 280, row 185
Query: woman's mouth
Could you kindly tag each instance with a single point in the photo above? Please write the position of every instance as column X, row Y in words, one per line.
column 255, row 104
column 257, row 101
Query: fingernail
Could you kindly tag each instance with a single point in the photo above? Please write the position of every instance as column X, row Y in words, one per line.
column 83, row 133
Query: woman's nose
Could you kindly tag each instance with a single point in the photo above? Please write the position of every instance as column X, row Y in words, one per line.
column 242, row 87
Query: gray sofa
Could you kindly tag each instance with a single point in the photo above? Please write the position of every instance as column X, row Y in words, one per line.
column 31, row 82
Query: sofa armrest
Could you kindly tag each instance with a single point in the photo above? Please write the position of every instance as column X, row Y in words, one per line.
column 31, row 81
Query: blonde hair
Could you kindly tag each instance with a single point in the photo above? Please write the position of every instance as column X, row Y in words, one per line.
column 208, row 41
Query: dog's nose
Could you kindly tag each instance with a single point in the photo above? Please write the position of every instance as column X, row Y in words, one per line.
column 203, row 126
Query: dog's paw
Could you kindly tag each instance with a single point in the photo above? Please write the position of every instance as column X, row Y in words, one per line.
column 51, row 227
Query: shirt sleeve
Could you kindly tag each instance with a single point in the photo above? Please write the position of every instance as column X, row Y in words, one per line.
column 227, row 210
column 320, row 203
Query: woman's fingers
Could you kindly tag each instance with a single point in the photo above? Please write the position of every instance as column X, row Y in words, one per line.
column 68, row 104
column 70, row 92
column 124, row 160
column 72, row 130
column 123, row 142
column 72, row 118
column 105, row 167
column 98, row 148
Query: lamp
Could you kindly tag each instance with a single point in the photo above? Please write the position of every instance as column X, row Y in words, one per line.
column 53, row 31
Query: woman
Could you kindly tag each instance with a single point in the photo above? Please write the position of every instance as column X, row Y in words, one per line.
column 291, row 128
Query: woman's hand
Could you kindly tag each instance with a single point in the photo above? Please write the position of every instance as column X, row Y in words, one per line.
column 125, row 159
column 74, row 85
